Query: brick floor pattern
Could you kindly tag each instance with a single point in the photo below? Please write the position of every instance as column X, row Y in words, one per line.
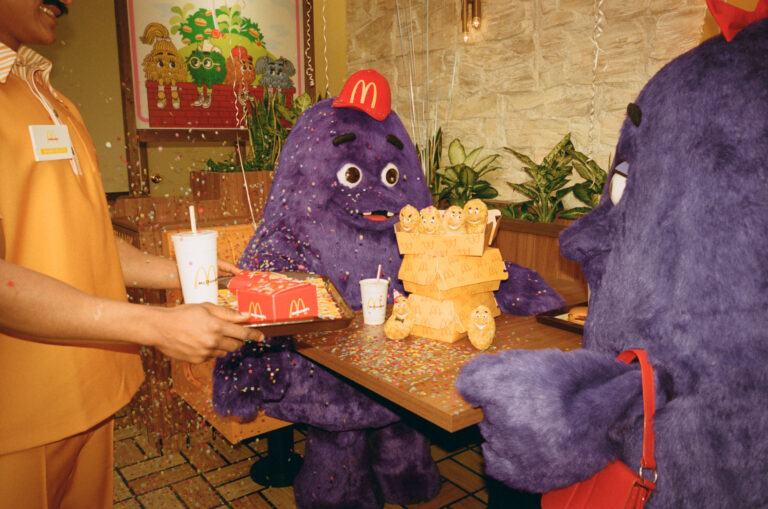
column 215, row 474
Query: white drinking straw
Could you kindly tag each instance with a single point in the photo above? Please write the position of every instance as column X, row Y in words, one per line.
column 378, row 274
column 192, row 219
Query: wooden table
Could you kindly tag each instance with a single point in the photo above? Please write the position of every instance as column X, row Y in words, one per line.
column 418, row 374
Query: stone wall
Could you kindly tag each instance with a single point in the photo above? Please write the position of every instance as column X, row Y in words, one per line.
column 527, row 76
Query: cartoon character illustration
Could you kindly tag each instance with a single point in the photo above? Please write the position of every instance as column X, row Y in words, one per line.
column 675, row 255
column 400, row 323
column 240, row 73
column 275, row 73
column 475, row 216
column 409, row 218
column 207, row 67
column 163, row 64
column 481, row 327
column 346, row 169
column 453, row 220
column 429, row 222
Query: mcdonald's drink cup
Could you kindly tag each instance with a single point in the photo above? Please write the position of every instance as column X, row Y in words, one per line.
column 373, row 293
column 196, row 259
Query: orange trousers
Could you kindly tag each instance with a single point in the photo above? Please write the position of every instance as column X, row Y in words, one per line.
column 75, row 472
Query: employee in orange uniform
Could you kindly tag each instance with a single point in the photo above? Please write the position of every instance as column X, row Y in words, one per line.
column 68, row 338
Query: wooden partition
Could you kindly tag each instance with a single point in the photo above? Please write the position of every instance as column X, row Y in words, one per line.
column 536, row 246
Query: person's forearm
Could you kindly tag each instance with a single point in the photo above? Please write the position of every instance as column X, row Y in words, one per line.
column 144, row 270
column 35, row 306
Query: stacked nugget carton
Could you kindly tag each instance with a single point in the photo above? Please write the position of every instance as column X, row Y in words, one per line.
column 447, row 277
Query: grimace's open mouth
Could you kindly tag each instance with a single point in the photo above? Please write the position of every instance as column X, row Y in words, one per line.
column 377, row 215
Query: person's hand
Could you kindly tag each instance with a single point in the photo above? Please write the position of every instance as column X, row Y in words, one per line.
column 198, row 332
column 226, row 268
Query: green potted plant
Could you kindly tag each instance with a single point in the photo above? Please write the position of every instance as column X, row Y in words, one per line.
column 462, row 180
column 527, row 234
column 548, row 184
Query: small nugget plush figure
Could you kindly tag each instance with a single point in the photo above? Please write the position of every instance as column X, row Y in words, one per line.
column 409, row 218
column 453, row 220
column 481, row 328
column 430, row 220
column 400, row 323
column 475, row 216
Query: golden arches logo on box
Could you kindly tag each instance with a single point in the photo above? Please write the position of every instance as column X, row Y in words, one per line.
column 375, row 303
column 298, row 308
column 254, row 309
column 205, row 276
column 364, row 89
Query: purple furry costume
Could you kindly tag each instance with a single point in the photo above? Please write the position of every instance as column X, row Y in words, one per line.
column 679, row 267
column 335, row 169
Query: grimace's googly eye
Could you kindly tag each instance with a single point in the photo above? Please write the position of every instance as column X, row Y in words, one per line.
column 618, row 182
column 390, row 175
column 349, row 175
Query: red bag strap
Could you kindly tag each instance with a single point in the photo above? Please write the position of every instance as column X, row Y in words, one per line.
column 648, row 460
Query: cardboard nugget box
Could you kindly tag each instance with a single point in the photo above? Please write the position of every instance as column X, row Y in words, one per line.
column 445, row 289
column 278, row 301
column 446, row 320
column 444, row 273
column 439, row 244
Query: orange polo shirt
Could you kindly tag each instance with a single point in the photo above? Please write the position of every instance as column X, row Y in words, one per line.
column 56, row 222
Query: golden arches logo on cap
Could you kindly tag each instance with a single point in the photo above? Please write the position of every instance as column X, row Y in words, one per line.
column 366, row 91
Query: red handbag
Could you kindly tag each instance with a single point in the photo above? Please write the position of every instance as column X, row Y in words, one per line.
column 617, row 486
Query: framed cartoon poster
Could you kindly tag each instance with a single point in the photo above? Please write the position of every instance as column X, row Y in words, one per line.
column 194, row 65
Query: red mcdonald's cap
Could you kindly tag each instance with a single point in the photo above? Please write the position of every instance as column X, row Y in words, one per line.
column 367, row 91
column 732, row 19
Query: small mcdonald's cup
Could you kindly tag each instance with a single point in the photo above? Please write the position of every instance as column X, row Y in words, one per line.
column 197, row 261
column 373, row 293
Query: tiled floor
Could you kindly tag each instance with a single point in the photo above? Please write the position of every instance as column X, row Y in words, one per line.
column 215, row 474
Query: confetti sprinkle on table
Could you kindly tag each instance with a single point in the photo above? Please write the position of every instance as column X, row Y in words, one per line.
column 419, row 373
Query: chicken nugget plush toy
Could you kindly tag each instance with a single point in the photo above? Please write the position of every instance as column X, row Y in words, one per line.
column 481, row 328
column 676, row 255
column 409, row 218
column 400, row 323
column 475, row 216
column 453, row 220
column 430, row 220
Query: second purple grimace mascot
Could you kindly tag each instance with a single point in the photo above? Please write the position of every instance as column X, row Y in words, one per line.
column 678, row 266
column 344, row 173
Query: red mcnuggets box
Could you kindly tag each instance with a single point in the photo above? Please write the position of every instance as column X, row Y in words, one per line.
column 247, row 278
column 275, row 298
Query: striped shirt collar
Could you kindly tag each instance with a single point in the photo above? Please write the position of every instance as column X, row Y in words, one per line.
column 24, row 63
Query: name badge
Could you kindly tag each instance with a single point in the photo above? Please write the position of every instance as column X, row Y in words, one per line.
column 50, row 142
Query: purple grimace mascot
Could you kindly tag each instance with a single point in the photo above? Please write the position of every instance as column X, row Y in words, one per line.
column 678, row 266
column 344, row 173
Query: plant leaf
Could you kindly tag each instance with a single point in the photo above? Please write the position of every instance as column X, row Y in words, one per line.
column 485, row 193
column 523, row 190
column 470, row 159
column 456, row 154
column 484, row 164
column 574, row 213
column 559, row 152
column 522, row 157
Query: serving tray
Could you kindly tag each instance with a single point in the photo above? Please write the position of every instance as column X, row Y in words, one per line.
column 315, row 324
column 559, row 318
